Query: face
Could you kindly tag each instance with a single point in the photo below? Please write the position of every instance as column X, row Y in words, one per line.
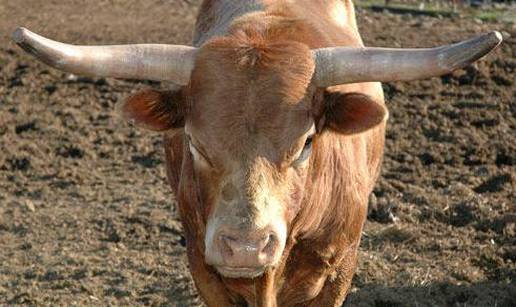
column 250, row 131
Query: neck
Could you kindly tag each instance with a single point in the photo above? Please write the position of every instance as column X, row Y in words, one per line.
column 216, row 17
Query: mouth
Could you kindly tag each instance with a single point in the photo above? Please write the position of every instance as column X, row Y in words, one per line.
column 240, row 272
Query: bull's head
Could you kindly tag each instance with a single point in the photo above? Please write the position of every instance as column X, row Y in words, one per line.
column 250, row 109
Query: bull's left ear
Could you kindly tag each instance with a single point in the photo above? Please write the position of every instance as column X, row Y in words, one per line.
column 154, row 110
column 350, row 113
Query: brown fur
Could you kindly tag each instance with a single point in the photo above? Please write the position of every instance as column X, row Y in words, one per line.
column 251, row 104
column 154, row 110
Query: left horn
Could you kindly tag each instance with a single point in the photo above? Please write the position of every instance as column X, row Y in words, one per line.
column 340, row 65
column 141, row 61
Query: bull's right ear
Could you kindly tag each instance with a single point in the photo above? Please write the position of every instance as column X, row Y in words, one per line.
column 155, row 110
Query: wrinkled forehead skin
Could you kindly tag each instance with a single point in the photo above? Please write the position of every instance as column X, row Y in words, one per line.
column 250, row 95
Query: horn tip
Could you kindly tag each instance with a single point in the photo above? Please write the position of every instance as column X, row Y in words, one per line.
column 19, row 35
column 497, row 37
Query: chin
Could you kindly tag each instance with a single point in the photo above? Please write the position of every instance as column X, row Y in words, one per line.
column 241, row 272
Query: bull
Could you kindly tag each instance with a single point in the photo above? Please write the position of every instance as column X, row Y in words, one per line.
column 273, row 141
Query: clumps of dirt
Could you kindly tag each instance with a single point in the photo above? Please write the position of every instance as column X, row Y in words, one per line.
column 17, row 163
column 86, row 216
column 381, row 210
column 495, row 184
column 70, row 151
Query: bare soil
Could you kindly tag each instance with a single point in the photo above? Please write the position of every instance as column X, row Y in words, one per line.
column 86, row 216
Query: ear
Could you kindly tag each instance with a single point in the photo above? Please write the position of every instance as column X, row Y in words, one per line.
column 351, row 113
column 154, row 110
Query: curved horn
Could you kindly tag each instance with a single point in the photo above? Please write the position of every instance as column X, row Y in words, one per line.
column 340, row 65
column 143, row 61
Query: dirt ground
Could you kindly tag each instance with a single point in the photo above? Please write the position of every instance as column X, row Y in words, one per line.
column 86, row 216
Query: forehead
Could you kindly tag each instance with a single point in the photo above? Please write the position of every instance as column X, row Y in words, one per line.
column 251, row 98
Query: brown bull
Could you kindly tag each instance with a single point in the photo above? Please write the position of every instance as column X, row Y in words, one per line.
column 272, row 143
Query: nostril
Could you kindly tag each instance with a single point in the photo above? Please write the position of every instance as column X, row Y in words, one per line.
column 269, row 244
column 231, row 246
column 227, row 244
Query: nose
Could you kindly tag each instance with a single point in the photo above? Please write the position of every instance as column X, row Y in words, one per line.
column 254, row 249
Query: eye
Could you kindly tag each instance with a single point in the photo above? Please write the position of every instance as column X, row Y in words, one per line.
column 308, row 142
column 307, row 149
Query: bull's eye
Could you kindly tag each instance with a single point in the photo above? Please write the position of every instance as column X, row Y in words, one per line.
column 307, row 149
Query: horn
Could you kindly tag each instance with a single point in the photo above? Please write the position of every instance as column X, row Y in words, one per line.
column 141, row 61
column 340, row 65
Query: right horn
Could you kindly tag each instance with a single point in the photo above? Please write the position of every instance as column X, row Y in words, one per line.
column 341, row 65
column 138, row 61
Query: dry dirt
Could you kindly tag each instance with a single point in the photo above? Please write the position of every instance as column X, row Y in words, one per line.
column 86, row 216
